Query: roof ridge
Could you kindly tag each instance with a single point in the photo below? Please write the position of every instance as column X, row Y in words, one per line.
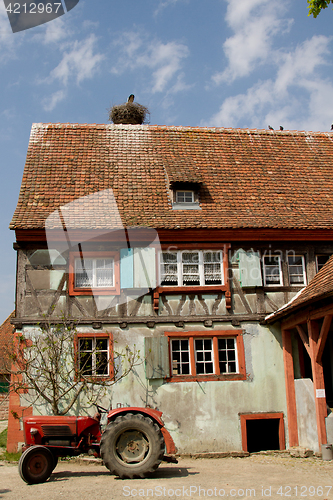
column 196, row 128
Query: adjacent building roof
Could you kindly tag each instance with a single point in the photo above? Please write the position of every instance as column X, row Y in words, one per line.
column 6, row 336
column 246, row 178
column 319, row 288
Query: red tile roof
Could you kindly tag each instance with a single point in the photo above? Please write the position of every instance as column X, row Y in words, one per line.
column 6, row 336
column 320, row 287
column 250, row 178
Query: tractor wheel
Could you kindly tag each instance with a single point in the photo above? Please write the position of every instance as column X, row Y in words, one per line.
column 55, row 461
column 132, row 446
column 36, row 464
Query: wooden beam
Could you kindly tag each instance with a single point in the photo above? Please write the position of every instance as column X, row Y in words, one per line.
column 305, row 315
column 294, row 320
column 323, row 336
column 318, row 382
column 290, row 388
column 304, row 338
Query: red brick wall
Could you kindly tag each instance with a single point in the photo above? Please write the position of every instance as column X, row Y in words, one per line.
column 15, row 434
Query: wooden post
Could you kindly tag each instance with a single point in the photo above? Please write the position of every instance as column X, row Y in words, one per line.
column 290, row 388
column 318, row 382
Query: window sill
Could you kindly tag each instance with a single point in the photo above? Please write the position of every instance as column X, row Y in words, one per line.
column 207, row 378
column 94, row 291
column 191, row 289
column 186, row 206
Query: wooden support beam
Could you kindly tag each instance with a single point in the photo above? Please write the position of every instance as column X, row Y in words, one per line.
column 318, row 382
column 290, row 388
column 323, row 336
column 304, row 338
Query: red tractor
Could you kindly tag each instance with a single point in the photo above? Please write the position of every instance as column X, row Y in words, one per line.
column 133, row 443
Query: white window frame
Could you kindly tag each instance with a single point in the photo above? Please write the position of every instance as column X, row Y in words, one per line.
column 94, row 283
column 201, row 264
column 185, row 192
column 214, row 355
column 93, row 352
column 265, row 273
column 303, row 269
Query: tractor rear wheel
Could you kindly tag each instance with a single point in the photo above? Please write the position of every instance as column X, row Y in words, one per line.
column 36, row 464
column 132, row 446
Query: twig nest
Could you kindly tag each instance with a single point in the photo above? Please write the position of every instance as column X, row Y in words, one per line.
column 129, row 113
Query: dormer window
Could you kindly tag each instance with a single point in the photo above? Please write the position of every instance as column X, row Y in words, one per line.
column 185, row 195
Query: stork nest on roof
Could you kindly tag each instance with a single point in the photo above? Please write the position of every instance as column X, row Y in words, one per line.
column 129, row 113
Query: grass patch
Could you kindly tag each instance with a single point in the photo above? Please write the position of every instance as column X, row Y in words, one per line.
column 3, row 438
column 10, row 457
column 4, row 455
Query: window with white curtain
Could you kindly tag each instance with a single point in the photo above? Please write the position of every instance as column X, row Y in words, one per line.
column 94, row 273
column 191, row 268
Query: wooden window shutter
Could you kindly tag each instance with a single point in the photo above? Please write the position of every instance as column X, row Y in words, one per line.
column 144, row 268
column 157, row 357
column 249, row 268
column 126, row 268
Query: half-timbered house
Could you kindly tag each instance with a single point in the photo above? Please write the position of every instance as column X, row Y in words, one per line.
column 181, row 241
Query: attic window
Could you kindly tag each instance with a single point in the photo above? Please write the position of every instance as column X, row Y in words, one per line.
column 185, row 195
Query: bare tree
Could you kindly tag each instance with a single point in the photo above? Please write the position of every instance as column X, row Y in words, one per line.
column 58, row 367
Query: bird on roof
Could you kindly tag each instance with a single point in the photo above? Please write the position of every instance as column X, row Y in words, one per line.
column 332, row 126
column 281, row 128
column 131, row 98
column 270, row 128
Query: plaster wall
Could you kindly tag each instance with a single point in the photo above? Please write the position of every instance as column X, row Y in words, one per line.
column 203, row 416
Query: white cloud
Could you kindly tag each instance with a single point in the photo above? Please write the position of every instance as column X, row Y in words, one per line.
column 81, row 62
column 296, row 95
column 297, row 98
column 254, row 24
column 56, row 31
column 166, row 3
column 302, row 63
column 164, row 59
column 49, row 103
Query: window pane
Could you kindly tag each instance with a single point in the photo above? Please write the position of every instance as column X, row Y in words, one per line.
column 227, row 355
column 222, row 343
column 86, row 363
column 180, row 357
column 93, row 356
column 101, row 344
column 83, row 273
column 190, row 262
column 104, row 272
column 85, row 344
column 321, row 260
column 184, row 196
column 295, row 268
column 101, row 363
column 169, row 269
column 272, row 270
column 213, row 268
column 204, row 355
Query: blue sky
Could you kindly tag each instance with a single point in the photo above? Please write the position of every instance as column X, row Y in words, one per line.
column 223, row 63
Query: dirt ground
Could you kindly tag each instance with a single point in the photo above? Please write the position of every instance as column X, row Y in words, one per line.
column 256, row 476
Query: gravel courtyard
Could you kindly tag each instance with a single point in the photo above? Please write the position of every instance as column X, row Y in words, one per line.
column 256, row 476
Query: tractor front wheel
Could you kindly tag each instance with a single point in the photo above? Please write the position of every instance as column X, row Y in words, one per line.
column 36, row 464
column 132, row 446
